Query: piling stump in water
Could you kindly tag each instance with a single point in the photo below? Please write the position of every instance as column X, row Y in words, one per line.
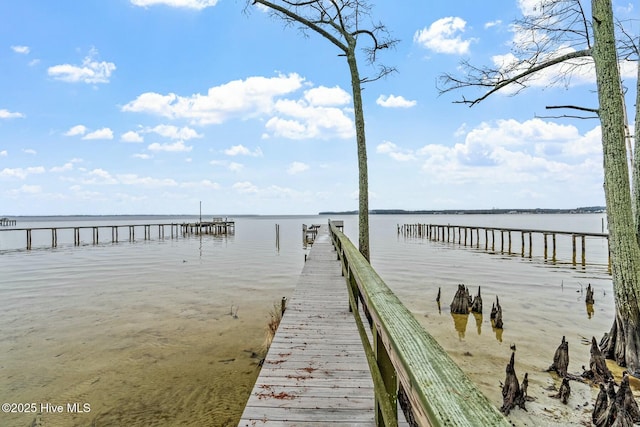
column 589, row 297
column 561, row 359
column 598, row 370
column 460, row 303
column 512, row 394
column 476, row 305
column 496, row 315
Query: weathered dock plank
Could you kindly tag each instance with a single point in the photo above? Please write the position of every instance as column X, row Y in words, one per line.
column 316, row 372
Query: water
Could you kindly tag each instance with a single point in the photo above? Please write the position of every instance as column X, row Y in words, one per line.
column 145, row 333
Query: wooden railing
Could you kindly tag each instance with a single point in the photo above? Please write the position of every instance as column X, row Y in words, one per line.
column 407, row 365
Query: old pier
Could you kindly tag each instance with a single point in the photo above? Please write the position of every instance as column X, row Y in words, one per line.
column 218, row 226
column 485, row 237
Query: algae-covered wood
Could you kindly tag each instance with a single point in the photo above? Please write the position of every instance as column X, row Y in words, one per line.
column 439, row 391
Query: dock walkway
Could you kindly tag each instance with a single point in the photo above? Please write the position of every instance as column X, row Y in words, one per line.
column 316, row 371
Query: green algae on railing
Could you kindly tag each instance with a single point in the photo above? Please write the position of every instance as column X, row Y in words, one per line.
column 408, row 365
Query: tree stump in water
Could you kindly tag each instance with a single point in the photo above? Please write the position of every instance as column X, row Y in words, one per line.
column 496, row 315
column 438, row 297
column 564, row 392
column 561, row 359
column 476, row 305
column 598, row 371
column 589, row 298
column 460, row 303
column 512, row 394
column 620, row 410
column 600, row 409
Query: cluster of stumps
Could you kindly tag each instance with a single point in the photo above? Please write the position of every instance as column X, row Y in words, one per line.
column 615, row 405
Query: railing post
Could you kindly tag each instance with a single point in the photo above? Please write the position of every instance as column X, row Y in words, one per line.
column 389, row 378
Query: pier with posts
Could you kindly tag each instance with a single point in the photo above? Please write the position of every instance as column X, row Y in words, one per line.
column 349, row 353
column 512, row 241
column 218, row 226
column 7, row 222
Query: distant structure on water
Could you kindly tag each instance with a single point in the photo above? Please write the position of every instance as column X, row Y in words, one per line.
column 6, row 222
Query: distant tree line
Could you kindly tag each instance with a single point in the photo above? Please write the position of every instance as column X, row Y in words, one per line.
column 585, row 209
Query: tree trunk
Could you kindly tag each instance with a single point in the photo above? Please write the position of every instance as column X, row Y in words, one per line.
column 363, row 180
column 625, row 252
column 636, row 161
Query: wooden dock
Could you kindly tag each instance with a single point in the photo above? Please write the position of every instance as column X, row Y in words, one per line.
column 218, row 226
column 464, row 235
column 7, row 222
column 316, row 371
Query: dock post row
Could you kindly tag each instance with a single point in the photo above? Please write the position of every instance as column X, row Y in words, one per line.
column 464, row 235
column 221, row 227
column 6, row 222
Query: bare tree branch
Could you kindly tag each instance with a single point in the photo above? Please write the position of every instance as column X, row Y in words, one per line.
column 574, row 107
column 497, row 80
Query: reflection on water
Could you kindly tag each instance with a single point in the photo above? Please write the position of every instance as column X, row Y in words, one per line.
column 478, row 318
column 460, row 324
column 590, row 310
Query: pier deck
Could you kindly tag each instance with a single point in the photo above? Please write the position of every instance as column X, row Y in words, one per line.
column 315, row 372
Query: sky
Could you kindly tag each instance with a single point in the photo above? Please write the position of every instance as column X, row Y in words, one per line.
column 153, row 106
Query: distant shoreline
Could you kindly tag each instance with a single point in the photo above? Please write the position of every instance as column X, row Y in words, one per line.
column 588, row 209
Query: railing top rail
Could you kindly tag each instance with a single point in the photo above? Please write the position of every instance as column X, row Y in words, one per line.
column 73, row 227
column 525, row 230
column 440, row 393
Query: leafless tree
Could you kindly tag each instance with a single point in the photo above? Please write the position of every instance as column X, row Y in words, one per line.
column 560, row 34
column 344, row 23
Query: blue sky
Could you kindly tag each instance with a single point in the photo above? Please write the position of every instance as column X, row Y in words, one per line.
column 151, row 106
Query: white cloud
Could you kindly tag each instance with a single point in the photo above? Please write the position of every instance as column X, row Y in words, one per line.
column 245, row 187
column 76, row 130
column 131, row 136
column 25, row 189
column 30, row 151
column 4, row 153
column 205, row 183
column 64, row 168
column 21, row 173
column 443, row 36
column 251, row 97
column 304, row 121
column 238, row 150
column 100, row 176
column 104, row 133
column 393, row 101
column 187, row 4
column 174, row 132
column 91, row 71
column 142, row 156
column 177, row 146
column 297, row 167
column 145, row 181
column 6, row 114
column 512, row 152
column 322, row 96
column 235, row 167
column 388, row 147
column 492, row 24
column 24, row 50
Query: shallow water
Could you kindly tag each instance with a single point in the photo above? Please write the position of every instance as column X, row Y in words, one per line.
column 144, row 333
